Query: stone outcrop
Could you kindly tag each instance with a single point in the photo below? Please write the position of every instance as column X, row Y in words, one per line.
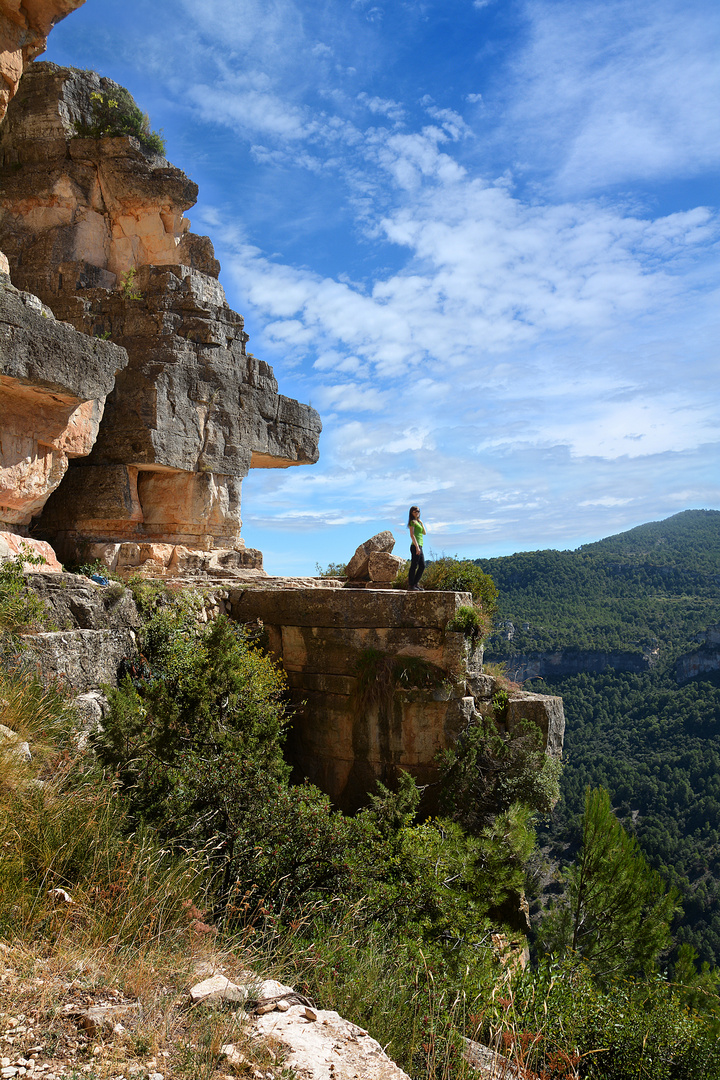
column 555, row 665
column 320, row 1045
column 13, row 546
column 24, row 28
column 702, row 660
column 93, row 208
column 91, row 629
column 380, row 684
column 193, row 411
column 53, row 382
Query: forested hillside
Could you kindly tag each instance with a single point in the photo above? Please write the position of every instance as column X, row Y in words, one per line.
column 652, row 741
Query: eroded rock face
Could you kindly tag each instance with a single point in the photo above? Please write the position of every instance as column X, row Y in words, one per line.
column 24, row 28
column 193, row 411
column 380, row 684
column 104, row 202
column 191, row 414
column 53, row 386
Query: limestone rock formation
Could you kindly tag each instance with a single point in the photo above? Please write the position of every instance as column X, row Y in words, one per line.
column 107, row 202
column 24, row 27
column 193, row 411
column 702, row 660
column 54, row 382
column 380, row 684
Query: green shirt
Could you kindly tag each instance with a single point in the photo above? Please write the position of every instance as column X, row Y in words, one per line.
column 419, row 533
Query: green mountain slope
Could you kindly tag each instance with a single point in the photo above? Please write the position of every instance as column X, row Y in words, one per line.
column 622, row 612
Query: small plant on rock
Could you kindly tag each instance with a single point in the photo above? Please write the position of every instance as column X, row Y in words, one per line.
column 468, row 621
column 116, row 114
column 128, row 287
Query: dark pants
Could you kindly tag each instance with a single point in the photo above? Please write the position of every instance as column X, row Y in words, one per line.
column 417, row 565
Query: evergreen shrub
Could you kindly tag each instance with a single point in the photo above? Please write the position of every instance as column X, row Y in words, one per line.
column 115, row 114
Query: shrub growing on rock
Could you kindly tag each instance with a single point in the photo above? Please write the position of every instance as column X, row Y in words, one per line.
column 116, row 114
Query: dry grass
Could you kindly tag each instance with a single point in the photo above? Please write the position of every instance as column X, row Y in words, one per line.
column 45, row 992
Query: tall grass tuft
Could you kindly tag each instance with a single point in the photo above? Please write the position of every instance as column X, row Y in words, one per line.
column 63, row 827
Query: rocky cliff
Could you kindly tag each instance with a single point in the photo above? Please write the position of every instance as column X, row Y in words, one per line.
column 96, row 228
column 557, row 664
column 702, row 660
column 54, row 382
column 24, row 28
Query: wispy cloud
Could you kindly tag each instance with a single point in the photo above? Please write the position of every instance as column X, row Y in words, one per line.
column 616, row 92
column 486, row 325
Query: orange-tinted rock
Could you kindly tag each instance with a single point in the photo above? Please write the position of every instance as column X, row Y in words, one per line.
column 105, row 202
column 12, row 545
column 24, row 27
column 379, row 683
column 194, row 411
column 53, row 384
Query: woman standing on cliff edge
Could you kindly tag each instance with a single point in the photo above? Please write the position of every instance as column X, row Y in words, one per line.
column 417, row 559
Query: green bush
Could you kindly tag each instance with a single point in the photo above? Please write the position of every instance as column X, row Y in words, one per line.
column 21, row 610
column 332, row 570
column 116, row 114
column 486, row 771
column 462, row 575
column 555, row 1019
column 467, row 621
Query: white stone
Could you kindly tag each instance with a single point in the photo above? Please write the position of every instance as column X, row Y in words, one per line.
column 233, row 1055
column 218, row 988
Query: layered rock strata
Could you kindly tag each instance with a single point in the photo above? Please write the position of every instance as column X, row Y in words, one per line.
column 90, row 630
column 87, row 208
column 24, row 28
column 53, row 385
column 562, row 662
column 193, row 411
column 380, row 684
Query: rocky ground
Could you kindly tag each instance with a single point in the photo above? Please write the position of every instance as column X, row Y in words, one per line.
column 63, row 1017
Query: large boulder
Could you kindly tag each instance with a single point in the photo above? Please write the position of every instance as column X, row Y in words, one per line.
column 358, row 569
column 384, row 567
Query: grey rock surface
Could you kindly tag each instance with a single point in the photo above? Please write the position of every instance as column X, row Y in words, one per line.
column 38, row 351
column 74, row 602
column 95, row 632
column 53, row 385
column 82, row 659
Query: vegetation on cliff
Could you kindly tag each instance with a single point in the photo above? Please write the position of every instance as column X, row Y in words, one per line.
column 114, row 114
column 186, row 808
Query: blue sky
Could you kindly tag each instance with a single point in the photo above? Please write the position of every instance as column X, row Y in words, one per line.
column 481, row 237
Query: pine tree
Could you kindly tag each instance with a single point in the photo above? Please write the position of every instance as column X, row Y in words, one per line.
column 616, row 910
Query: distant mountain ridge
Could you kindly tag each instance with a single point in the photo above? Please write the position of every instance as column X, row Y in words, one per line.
column 657, row 585
column 626, row 631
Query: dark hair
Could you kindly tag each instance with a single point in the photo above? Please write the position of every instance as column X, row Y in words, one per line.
column 410, row 514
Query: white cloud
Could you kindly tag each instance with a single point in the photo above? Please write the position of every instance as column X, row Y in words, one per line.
column 609, row 93
column 525, row 364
